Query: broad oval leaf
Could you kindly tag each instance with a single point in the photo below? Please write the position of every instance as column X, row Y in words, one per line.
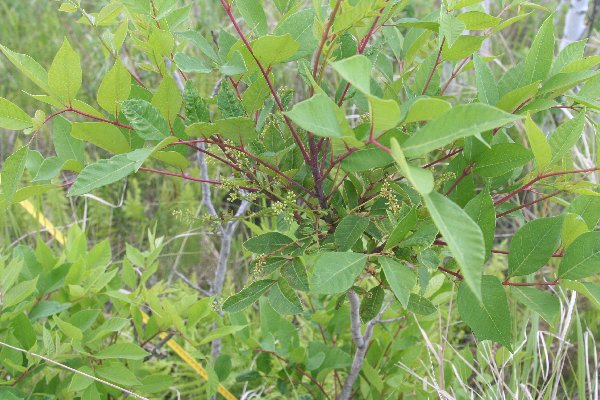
column 489, row 319
column 582, row 257
column 114, row 88
column 321, row 116
column 501, row 159
column 269, row 243
column 400, row 278
column 65, row 75
column 349, row 231
column 335, row 272
column 532, row 246
column 145, row 119
column 125, row 350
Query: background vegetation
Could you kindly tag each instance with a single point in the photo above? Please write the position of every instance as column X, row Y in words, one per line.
column 156, row 235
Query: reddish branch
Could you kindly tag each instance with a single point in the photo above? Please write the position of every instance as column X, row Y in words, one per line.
column 438, row 60
column 528, row 204
column 438, row 242
column 191, row 178
column 544, row 176
column 506, row 282
column 265, row 74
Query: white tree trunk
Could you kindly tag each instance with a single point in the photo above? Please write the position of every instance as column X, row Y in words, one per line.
column 575, row 23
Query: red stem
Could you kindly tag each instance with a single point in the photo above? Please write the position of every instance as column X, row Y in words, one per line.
column 191, row 178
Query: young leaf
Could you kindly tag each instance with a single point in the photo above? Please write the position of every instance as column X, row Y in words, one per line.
column 66, row 146
column 12, row 171
column 253, row 12
column 349, row 231
column 538, row 143
column 582, row 257
column 117, row 372
column 541, row 53
column 501, row 159
column 588, row 207
column 114, row 88
column 167, row 99
column 366, row 159
column 489, row 318
column 247, row 296
column 450, row 27
column 463, row 235
column 406, row 222
column 566, row 136
column 400, row 278
column 336, row 272
column 532, row 246
column 12, row 117
column 145, row 119
column 65, row 75
column 461, row 121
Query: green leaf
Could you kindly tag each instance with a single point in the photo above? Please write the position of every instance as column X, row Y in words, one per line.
column 65, row 75
column 481, row 209
column 117, row 372
column 349, row 231
column 371, row 303
column 298, row 26
column 566, row 136
column 70, row 330
column 420, row 305
column 236, row 129
column 464, row 46
column 514, row 98
column 588, row 207
column 23, row 330
column 501, row 159
column 196, row 109
column 284, row 300
column 12, row 117
column 335, row 272
column 366, row 159
column 489, row 318
column 425, row 109
column 235, row 66
column 321, row 116
column 66, row 146
column 220, row 332
column 541, row 53
column 582, row 257
column 191, row 64
column 145, row 119
column 295, row 274
column 114, row 88
column 572, row 51
column 420, row 178
column 18, row 293
column 477, row 20
column 201, row 43
column 105, row 172
column 573, row 227
column 406, row 222
column 463, row 236
column 125, row 351
column 253, row 12
column 167, row 99
column 487, row 87
column 450, row 27
column 400, row 278
column 106, row 136
column 247, row 296
column 80, row 382
column 269, row 50
column 538, row 143
column 29, row 67
column 12, row 172
column 271, row 242
column 385, row 114
column 588, row 289
column 532, row 246
column 459, row 122
column 543, row 303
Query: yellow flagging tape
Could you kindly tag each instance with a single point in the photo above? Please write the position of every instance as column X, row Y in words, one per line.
column 184, row 355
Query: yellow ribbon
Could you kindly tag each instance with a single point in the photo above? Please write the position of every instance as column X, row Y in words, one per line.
column 184, row 355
